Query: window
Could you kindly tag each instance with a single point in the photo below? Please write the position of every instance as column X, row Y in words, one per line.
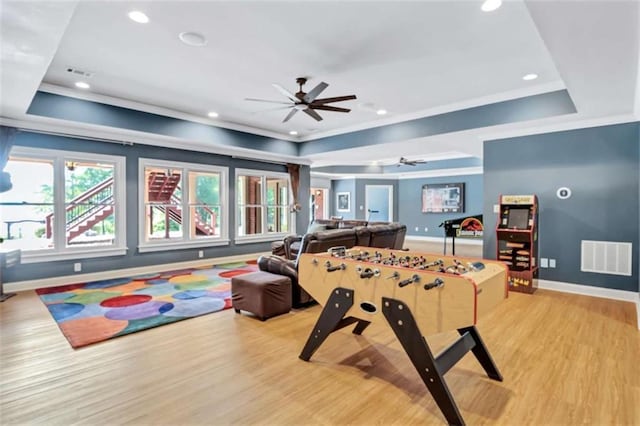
column 182, row 205
column 262, row 205
column 86, row 190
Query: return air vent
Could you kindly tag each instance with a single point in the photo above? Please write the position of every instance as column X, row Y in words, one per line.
column 606, row 257
column 80, row 73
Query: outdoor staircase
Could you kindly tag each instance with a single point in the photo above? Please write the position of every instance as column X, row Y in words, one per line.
column 96, row 204
column 86, row 210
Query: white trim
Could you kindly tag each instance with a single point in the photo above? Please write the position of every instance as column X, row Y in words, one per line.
column 459, row 241
column 462, row 171
column 185, row 241
column 263, row 175
column 118, row 273
column 587, row 290
column 165, row 245
column 71, row 129
column 60, row 250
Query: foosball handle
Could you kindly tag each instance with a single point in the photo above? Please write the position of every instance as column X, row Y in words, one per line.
column 436, row 283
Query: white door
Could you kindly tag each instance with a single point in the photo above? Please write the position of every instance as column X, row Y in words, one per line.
column 379, row 203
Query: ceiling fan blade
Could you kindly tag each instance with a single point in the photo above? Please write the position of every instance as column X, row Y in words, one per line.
column 291, row 114
column 267, row 100
column 280, row 108
column 285, row 92
column 335, row 99
column 329, row 108
column 309, row 97
column 313, row 114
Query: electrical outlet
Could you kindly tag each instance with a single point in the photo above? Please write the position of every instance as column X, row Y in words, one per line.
column 426, row 229
column 417, row 229
column 77, row 267
column 361, row 207
column 201, row 254
column 544, row 262
column 552, row 263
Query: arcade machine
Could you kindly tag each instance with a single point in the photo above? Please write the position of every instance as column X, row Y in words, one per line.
column 517, row 240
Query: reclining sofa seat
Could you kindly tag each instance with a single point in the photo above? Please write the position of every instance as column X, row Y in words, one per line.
column 381, row 236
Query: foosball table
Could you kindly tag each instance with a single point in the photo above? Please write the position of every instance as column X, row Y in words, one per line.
column 417, row 294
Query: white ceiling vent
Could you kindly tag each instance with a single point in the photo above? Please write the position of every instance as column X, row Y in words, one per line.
column 606, row 257
column 79, row 73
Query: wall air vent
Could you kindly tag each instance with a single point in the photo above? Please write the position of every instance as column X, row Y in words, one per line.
column 606, row 257
column 79, row 73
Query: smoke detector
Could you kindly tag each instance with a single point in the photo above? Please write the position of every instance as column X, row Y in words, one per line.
column 79, row 73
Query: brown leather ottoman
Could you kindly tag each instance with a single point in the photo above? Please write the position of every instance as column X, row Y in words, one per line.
column 261, row 293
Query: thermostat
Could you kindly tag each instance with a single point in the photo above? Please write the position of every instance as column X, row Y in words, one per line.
column 563, row 193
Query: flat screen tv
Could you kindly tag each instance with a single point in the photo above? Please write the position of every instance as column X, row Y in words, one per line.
column 518, row 219
column 443, row 198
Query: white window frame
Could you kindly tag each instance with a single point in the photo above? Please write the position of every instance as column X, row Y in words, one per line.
column 265, row 235
column 186, row 241
column 60, row 250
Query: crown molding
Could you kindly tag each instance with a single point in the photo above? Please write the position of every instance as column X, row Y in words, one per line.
column 100, row 133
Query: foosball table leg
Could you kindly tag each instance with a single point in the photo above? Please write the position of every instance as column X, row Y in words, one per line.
column 359, row 328
column 404, row 326
column 331, row 319
column 481, row 353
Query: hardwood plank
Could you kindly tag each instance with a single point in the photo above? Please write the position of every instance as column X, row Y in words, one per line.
column 566, row 359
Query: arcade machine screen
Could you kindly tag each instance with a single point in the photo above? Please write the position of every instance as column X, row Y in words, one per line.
column 518, row 219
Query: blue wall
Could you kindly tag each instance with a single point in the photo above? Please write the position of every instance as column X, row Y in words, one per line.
column 600, row 166
column 410, row 202
column 343, row 185
column 133, row 258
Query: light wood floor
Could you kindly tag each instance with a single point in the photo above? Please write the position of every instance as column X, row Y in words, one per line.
column 469, row 250
column 566, row 360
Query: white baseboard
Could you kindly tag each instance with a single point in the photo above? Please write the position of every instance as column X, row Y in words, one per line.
column 440, row 240
column 118, row 273
column 587, row 290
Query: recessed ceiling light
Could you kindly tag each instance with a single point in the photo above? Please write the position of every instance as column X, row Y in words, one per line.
column 192, row 39
column 381, row 111
column 491, row 5
column 139, row 17
column 530, row 77
column 293, row 133
column 82, row 85
column 213, row 114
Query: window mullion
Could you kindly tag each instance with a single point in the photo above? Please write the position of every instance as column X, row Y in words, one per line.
column 265, row 205
column 59, row 206
column 186, row 205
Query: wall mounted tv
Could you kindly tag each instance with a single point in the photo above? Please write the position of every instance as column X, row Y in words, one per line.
column 443, row 198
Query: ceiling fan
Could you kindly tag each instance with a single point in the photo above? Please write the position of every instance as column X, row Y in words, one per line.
column 407, row 162
column 307, row 102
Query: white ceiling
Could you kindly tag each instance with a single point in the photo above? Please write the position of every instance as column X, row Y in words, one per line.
column 413, row 59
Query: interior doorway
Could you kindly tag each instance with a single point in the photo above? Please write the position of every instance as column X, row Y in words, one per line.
column 379, row 203
column 318, row 204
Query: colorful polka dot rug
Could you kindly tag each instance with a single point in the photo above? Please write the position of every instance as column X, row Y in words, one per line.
column 96, row 311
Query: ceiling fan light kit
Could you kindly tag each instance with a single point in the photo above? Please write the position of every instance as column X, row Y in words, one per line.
column 307, row 102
